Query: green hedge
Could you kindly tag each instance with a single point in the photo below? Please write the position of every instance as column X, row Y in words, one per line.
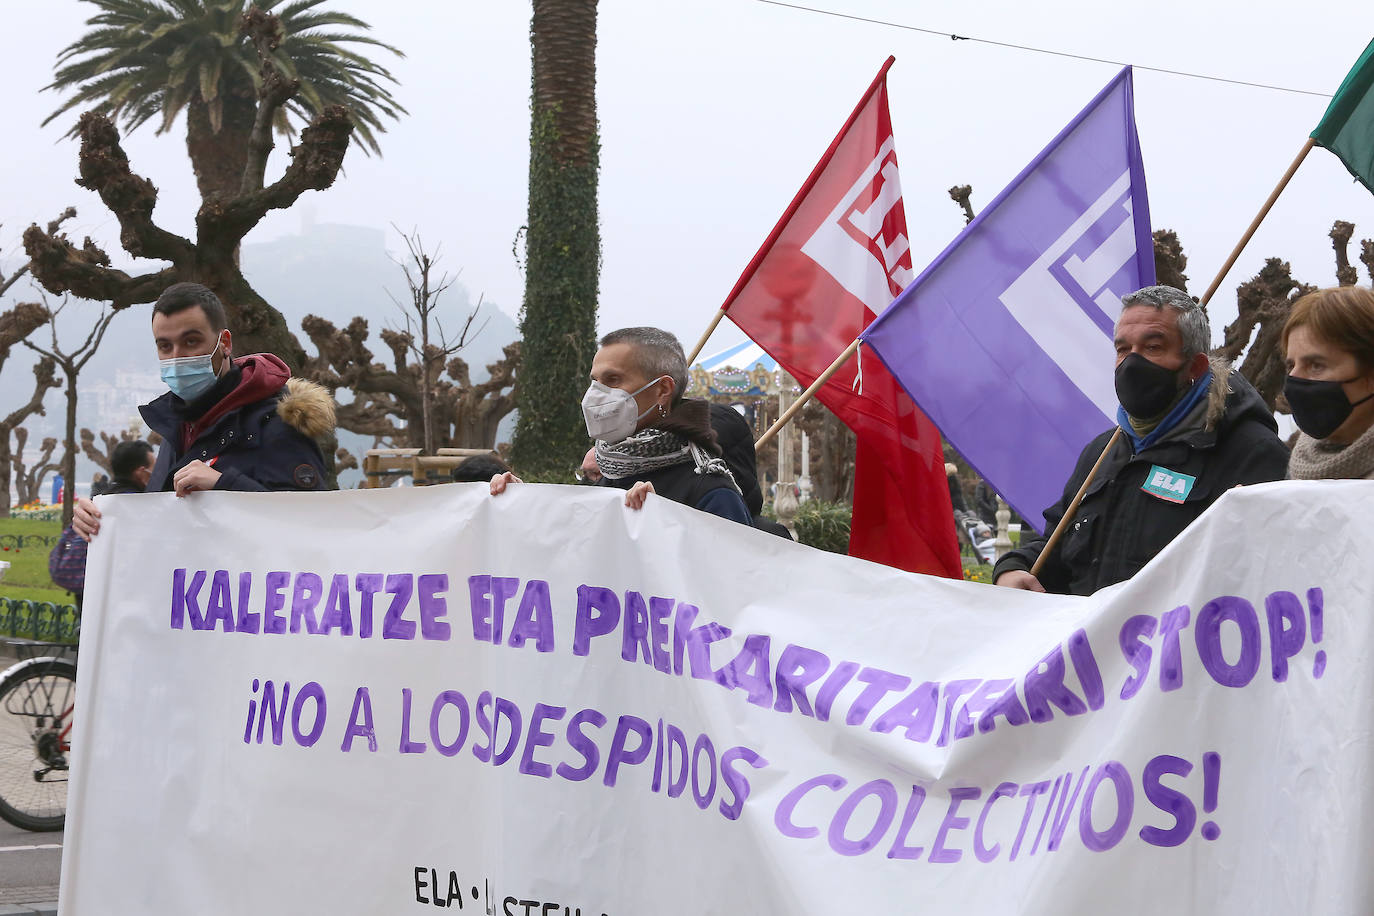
column 824, row 525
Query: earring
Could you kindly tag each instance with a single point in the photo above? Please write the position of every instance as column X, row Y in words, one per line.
column 662, row 411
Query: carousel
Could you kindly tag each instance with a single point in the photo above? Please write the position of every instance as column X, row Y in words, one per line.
column 749, row 380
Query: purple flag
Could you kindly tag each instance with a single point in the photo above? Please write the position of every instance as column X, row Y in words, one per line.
column 1005, row 340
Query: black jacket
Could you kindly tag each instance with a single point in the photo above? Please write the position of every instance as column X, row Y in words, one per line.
column 267, row 443
column 1119, row 526
column 682, row 484
column 691, row 419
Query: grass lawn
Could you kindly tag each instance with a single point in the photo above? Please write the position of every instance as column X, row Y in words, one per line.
column 23, row 547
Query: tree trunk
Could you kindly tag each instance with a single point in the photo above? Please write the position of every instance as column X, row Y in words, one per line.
column 218, row 158
column 69, row 452
column 563, row 244
column 5, row 470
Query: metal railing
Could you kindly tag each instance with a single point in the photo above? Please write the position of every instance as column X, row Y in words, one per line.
column 44, row 621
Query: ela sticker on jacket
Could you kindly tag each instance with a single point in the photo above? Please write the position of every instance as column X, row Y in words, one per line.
column 1167, row 484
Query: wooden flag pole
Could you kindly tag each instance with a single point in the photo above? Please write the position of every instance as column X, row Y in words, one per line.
column 711, row 329
column 1206, row 297
column 1073, row 506
column 1259, row 218
column 808, row 393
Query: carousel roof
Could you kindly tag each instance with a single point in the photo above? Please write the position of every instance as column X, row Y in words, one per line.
column 744, row 355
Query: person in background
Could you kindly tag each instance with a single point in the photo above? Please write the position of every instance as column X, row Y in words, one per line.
column 649, row 437
column 956, row 490
column 478, row 469
column 1328, row 345
column 131, row 463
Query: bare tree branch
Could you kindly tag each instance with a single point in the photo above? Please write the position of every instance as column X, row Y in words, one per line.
column 60, row 267
column 53, row 226
column 71, row 364
column 131, row 198
column 315, row 163
column 264, row 30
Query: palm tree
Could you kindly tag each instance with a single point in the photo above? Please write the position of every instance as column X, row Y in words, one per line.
column 155, row 58
column 562, row 240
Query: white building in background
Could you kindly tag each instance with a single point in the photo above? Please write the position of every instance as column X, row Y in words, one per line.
column 111, row 407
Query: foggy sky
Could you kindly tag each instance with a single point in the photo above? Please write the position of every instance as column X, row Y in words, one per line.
column 714, row 111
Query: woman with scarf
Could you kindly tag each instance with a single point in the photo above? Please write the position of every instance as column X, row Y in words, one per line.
column 1329, row 346
column 649, row 438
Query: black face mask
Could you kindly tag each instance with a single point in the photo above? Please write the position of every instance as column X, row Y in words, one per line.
column 1144, row 388
column 1319, row 408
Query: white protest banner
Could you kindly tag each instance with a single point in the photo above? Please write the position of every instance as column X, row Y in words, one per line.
column 543, row 702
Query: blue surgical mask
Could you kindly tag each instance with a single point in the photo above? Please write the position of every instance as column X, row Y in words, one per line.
column 189, row 376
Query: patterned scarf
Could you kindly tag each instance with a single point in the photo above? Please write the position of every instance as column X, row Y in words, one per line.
column 687, row 437
column 1317, row 459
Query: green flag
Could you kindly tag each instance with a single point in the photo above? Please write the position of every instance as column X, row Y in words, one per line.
column 1347, row 128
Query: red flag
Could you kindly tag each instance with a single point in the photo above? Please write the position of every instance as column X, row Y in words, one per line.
column 837, row 257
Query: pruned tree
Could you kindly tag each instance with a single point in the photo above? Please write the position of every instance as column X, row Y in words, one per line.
column 102, row 456
column 1341, row 233
column 16, row 324
column 562, row 239
column 229, row 210
column 28, row 481
column 71, row 362
column 387, row 398
column 429, row 345
column 1263, row 303
column 1170, row 261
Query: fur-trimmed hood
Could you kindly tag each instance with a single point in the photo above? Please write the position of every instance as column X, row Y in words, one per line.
column 307, row 407
column 1220, row 391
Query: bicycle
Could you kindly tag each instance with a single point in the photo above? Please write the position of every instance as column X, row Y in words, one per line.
column 37, row 700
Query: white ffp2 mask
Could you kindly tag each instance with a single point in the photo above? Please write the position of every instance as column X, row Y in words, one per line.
column 610, row 413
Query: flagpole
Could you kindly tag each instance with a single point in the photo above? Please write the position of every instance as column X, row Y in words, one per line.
column 1259, row 218
column 1073, row 507
column 711, row 329
column 808, row 393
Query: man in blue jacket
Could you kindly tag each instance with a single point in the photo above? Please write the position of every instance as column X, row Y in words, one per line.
column 225, row 423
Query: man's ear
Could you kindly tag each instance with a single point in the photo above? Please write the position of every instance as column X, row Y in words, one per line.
column 1198, row 367
column 671, row 389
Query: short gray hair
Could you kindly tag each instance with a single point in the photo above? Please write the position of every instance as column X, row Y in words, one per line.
column 655, row 353
column 1192, row 317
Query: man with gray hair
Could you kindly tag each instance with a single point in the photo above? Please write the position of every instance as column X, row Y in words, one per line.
column 649, row 438
column 1191, row 430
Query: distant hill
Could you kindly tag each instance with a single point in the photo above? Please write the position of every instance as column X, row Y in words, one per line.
column 338, row 271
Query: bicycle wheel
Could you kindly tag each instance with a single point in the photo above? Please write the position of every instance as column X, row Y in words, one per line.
column 36, row 705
